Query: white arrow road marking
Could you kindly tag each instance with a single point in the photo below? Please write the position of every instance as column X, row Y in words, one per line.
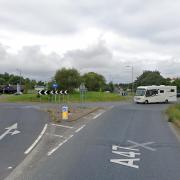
column 10, row 130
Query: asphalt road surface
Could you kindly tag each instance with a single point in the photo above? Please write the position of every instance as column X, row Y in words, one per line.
column 128, row 142
column 19, row 127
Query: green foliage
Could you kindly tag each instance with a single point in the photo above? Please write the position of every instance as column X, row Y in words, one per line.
column 2, row 81
column 94, row 81
column 68, row 78
column 150, row 78
column 176, row 82
column 110, row 87
column 73, row 97
column 6, row 79
column 173, row 113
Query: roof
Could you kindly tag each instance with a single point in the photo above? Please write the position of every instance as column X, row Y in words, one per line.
column 155, row 86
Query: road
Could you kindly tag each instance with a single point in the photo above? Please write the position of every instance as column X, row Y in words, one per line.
column 19, row 127
column 127, row 142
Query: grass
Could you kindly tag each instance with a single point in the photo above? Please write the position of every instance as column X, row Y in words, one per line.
column 173, row 113
column 75, row 97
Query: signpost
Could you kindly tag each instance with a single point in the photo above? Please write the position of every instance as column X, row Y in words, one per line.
column 83, row 90
column 55, row 86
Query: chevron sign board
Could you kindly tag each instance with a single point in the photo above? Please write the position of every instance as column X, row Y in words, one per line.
column 53, row 92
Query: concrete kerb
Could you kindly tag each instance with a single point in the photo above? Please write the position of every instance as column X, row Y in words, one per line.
column 83, row 115
column 71, row 119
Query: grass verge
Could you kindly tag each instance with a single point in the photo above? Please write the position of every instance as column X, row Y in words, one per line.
column 75, row 97
column 173, row 113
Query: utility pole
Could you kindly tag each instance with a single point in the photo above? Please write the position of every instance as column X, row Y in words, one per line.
column 132, row 77
column 20, row 72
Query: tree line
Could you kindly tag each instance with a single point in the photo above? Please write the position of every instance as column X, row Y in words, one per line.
column 71, row 79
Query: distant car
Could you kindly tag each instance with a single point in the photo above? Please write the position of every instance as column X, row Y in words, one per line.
column 18, row 93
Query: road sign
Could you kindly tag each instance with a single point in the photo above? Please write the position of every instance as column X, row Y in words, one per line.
column 82, row 88
column 52, row 92
column 55, row 86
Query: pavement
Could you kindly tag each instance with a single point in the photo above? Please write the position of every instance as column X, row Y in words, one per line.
column 19, row 128
column 125, row 142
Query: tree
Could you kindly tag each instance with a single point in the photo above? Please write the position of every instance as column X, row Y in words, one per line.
column 110, row 87
column 67, row 78
column 94, row 81
column 150, row 78
column 2, row 81
column 176, row 82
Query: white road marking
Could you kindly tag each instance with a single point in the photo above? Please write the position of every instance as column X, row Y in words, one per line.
column 10, row 130
column 128, row 154
column 97, row 115
column 79, row 129
column 10, row 167
column 144, row 145
column 126, row 162
column 36, row 141
column 57, row 147
column 56, row 135
column 64, row 126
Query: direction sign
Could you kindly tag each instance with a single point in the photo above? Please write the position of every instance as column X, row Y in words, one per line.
column 55, row 86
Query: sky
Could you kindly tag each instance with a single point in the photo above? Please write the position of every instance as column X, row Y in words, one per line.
column 109, row 37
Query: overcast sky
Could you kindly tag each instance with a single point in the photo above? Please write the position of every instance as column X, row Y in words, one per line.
column 104, row 36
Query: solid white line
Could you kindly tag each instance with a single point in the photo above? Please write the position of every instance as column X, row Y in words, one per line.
column 70, row 127
column 57, row 147
column 36, row 141
column 79, row 129
column 97, row 115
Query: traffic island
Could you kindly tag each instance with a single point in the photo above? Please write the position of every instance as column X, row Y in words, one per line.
column 73, row 114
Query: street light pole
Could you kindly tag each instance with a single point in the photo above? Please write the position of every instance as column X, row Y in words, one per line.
column 19, row 70
column 132, row 76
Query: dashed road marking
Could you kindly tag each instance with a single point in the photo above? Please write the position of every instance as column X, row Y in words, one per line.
column 56, row 135
column 10, row 167
column 64, row 126
column 36, row 141
column 97, row 115
column 57, row 147
column 79, row 129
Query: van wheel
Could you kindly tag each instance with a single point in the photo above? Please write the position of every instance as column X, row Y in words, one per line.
column 166, row 101
column 146, row 102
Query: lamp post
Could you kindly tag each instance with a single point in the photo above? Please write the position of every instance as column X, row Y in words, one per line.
column 132, row 76
column 20, row 72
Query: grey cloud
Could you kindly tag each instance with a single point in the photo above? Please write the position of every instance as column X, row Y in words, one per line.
column 98, row 58
column 148, row 19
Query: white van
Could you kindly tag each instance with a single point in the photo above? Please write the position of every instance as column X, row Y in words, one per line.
column 155, row 94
